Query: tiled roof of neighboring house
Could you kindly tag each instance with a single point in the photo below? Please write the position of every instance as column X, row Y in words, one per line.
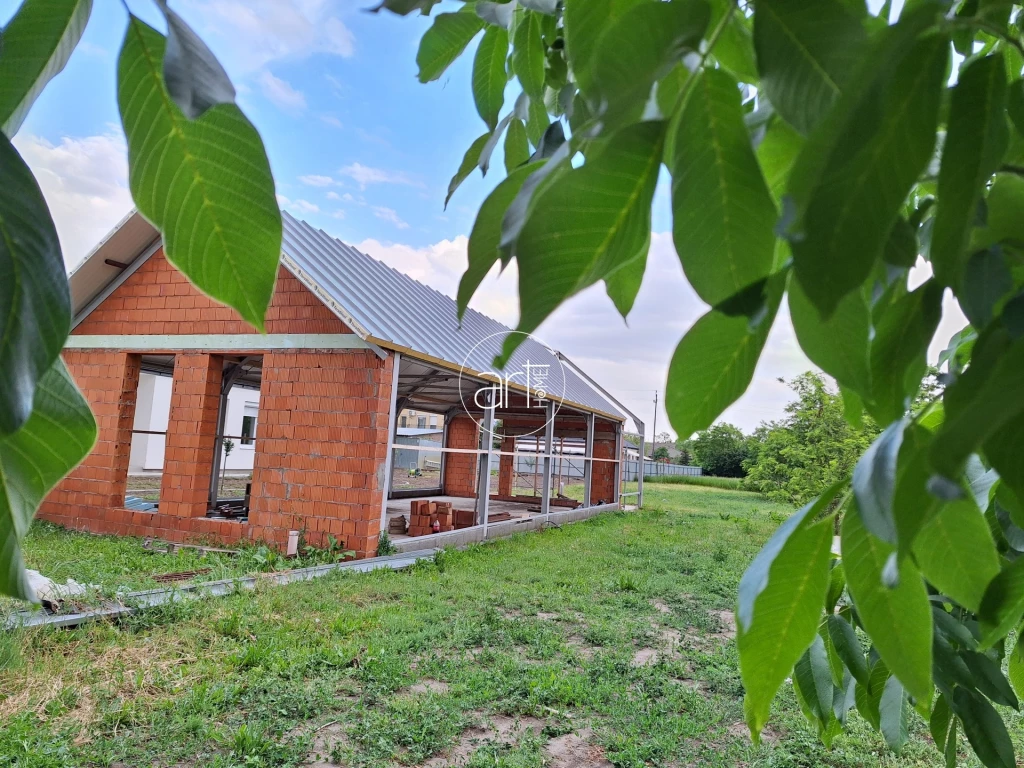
column 381, row 304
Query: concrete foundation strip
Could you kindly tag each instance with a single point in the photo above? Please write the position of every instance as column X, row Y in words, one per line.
column 137, row 601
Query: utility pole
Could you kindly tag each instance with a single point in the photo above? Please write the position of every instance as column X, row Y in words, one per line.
column 654, row 428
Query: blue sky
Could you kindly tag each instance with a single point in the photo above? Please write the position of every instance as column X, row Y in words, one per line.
column 364, row 151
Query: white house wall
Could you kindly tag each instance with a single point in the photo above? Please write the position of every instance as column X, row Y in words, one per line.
column 152, row 409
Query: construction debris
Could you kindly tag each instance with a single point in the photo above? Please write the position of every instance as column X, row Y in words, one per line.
column 164, row 578
column 172, row 547
column 51, row 594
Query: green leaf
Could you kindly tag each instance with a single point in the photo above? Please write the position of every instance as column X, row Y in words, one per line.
column 714, row 364
column 588, row 223
column 205, row 183
column 812, row 677
column 735, row 46
column 805, row 53
column 1002, row 604
column 1015, row 667
column 869, row 697
column 638, row 48
column 984, row 729
column 940, row 720
column 780, row 598
column 584, row 21
column 484, row 238
column 445, row 41
column 901, row 248
column 496, row 13
column 623, row 285
column 776, row 153
column 874, row 483
column 844, row 640
column 489, row 76
column 838, row 345
column 723, row 213
column 856, row 170
column 913, row 505
column 59, row 434
column 1015, row 104
column 1003, row 222
column 989, row 394
column 517, row 148
column 536, row 121
column 34, row 295
column 528, row 56
column 987, row 676
column 893, row 715
column 898, row 620
column 405, row 7
column 1005, row 452
column 470, row 161
column 37, row 43
column 899, row 351
column 194, row 77
column 984, row 282
column 955, row 552
column 976, row 139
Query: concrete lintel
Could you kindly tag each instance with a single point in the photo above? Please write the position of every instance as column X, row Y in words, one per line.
column 221, row 342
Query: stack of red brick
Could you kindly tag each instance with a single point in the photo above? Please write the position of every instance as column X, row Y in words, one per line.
column 424, row 513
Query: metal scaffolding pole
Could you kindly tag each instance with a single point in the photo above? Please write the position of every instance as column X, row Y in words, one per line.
column 588, row 462
column 390, row 454
column 549, row 441
column 483, row 484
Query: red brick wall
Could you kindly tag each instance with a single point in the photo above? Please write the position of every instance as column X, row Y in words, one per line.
column 109, row 381
column 506, row 468
column 460, row 468
column 603, row 479
column 191, row 435
column 157, row 299
column 320, row 447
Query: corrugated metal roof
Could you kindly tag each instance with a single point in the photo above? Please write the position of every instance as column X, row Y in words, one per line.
column 378, row 302
column 396, row 310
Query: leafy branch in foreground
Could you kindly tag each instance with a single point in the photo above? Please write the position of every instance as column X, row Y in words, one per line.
column 817, row 151
column 197, row 170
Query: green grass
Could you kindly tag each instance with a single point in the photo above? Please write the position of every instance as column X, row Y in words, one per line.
column 706, row 481
column 392, row 668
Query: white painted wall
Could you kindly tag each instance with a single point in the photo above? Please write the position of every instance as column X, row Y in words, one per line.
column 152, row 409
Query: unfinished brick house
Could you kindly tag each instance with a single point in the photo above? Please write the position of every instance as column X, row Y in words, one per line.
column 350, row 343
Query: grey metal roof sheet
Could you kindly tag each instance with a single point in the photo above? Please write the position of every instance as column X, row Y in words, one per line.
column 394, row 308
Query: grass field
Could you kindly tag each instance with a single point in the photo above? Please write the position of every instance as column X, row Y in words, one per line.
column 601, row 643
column 707, row 481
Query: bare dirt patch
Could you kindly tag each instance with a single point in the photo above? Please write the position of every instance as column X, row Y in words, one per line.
column 661, row 607
column 326, row 739
column 499, row 728
column 727, row 623
column 669, row 642
column 429, row 686
column 740, row 731
column 574, row 750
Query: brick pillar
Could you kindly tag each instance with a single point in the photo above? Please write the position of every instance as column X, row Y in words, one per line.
column 321, row 443
column 460, row 468
column 602, row 487
column 109, row 381
column 191, row 435
column 506, row 467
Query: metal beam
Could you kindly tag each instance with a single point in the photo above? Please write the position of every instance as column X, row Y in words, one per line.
column 227, row 381
column 549, row 439
column 389, row 453
column 483, row 484
column 588, row 462
column 640, row 471
column 114, row 284
column 220, row 342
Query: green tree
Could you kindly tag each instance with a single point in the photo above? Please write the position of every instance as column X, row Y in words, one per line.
column 197, row 170
column 799, row 457
column 806, row 166
column 721, row 450
column 660, row 454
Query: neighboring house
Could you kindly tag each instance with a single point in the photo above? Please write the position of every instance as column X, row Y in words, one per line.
column 410, row 418
column 351, row 346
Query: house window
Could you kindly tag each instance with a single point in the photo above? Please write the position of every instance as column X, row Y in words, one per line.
column 433, row 422
column 421, row 422
column 249, row 424
column 403, row 422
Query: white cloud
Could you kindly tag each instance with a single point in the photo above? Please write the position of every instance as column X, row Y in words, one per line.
column 338, row 214
column 299, row 205
column 254, row 33
column 332, row 195
column 332, row 121
column 85, row 183
column 389, row 214
column 315, row 180
column 281, row 93
column 365, row 175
